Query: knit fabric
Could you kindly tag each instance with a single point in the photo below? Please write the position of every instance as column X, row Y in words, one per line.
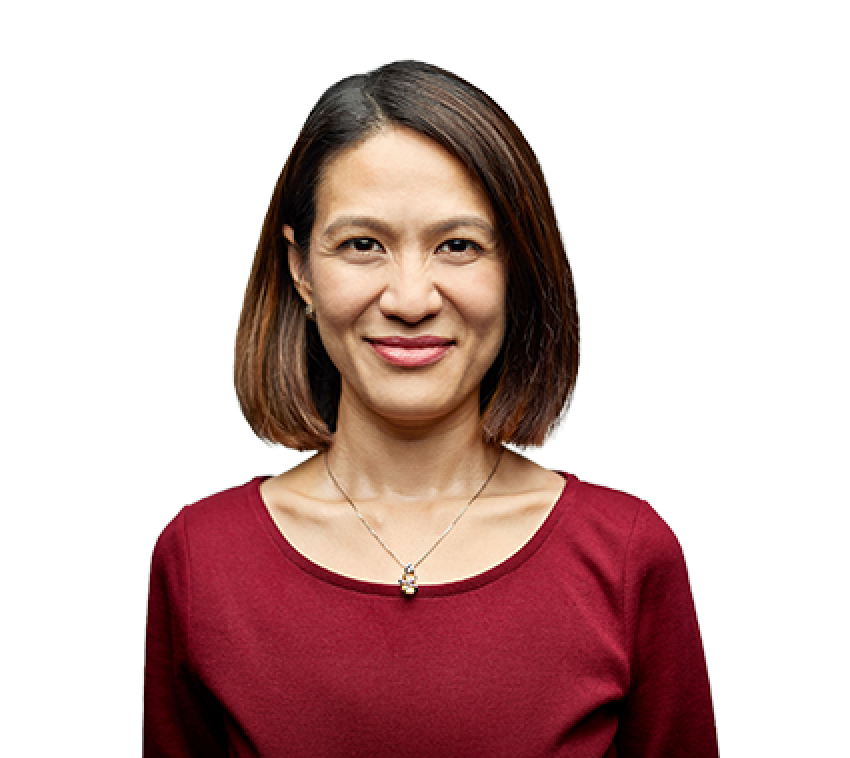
column 584, row 644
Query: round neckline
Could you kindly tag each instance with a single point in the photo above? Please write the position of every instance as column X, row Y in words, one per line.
column 444, row 589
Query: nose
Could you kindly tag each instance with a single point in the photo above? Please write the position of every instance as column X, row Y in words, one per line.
column 410, row 294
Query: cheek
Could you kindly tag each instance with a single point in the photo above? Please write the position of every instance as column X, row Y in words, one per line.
column 482, row 302
column 340, row 295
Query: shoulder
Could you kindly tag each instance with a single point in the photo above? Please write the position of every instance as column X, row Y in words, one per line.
column 619, row 509
column 213, row 523
column 621, row 523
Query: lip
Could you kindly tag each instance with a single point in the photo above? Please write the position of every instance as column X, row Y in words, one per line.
column 411, row 343
column 411, row 352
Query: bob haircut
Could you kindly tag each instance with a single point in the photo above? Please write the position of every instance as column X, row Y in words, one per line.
column 287, row 386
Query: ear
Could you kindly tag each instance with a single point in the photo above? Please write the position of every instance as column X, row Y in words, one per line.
column 298, row 266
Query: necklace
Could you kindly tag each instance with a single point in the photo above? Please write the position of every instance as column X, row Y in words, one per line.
column 407, row 583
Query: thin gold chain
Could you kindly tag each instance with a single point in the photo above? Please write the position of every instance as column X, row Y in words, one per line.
column 439, row 539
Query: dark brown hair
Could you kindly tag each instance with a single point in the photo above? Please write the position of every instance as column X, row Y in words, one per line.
column 287, row 386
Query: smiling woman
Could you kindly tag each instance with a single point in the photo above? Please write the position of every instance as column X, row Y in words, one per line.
column 413, row 295
column 410, row 310
column 287, row 385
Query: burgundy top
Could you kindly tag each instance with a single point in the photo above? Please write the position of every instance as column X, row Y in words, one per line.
column 584, row 643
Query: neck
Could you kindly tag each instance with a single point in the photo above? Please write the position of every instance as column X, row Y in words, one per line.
column 413, row 462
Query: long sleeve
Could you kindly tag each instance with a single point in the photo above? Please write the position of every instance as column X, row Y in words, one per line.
column 181, row 718
column 668, row 711
column 583, row 643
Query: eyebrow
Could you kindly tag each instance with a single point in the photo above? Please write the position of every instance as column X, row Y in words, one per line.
column 438, row 227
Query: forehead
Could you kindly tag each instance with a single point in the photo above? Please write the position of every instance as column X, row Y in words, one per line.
column 399, row 173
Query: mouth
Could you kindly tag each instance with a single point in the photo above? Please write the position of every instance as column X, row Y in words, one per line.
column 411, row 352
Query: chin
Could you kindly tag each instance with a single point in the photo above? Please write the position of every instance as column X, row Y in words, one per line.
column 404, row 399
column 417, row 410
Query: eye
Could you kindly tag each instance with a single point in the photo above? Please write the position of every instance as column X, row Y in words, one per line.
column 459, row 247
column 362, row 245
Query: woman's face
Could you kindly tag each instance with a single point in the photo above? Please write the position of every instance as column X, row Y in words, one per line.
column 407, row 279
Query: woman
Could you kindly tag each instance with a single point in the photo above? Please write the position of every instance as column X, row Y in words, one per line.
column 415, row 588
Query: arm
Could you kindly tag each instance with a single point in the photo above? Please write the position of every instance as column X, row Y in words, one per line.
column 182, row 719
column 668, row 711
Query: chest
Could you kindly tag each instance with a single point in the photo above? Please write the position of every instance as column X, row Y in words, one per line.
column 447, row 544
column 529, row 665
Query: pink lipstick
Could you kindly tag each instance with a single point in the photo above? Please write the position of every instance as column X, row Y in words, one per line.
column 411, row 352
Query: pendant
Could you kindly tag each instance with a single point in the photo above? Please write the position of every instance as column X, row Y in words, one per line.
column 408, row 581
